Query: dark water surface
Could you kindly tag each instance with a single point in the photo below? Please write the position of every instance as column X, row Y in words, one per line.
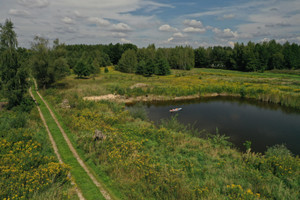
column 263, row 124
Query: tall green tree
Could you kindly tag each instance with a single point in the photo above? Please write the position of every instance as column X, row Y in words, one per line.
column 128, row 62
column 149, row 68
column 48, row 65
column 8, row 36
column 181, row 57
column 40, row 62
column 201, row 57
column 162, row 67
column 14, row 81
column 82, row 69
column 140, row 67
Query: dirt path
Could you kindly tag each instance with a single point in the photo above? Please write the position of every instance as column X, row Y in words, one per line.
column 75, row 154
column 54, row 146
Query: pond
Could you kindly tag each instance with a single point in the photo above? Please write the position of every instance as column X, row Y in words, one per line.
column 262, row 123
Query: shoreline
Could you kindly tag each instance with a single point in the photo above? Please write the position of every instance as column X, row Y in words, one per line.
column 149, row 98
column 152, row 98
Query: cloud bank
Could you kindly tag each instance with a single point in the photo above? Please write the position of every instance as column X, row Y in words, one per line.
column 150, row 21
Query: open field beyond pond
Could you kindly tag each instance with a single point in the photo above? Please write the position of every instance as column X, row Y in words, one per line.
column 272, row 87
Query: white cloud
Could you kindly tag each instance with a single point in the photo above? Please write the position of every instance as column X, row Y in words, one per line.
column 99, row 21
column 193, row 23
column 123, row 40
column 251, row 20
column 67, row 20
column 194, row 30
column 231, row 43
column 226, row 33
column 178, row 34
column 265, row 40
column 19, row 13
column 121, row 27
column 78, row 14
column 119, row 34
column 170, row 39
column 167, row 28
column 34, row 3
column 216, row 30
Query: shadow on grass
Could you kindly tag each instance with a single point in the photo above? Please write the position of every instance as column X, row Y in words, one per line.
column 82, row 77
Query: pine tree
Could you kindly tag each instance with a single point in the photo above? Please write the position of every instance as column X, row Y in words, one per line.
column 128, row 62
column 162, row 67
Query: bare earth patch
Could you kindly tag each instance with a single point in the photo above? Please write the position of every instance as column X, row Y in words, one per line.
column 103, row 97
column 147, row 98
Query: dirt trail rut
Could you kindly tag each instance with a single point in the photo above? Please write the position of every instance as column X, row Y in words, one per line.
column 75, row 154
column 54, row 146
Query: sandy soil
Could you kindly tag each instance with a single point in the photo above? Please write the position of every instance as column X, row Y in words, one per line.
column 147, row 98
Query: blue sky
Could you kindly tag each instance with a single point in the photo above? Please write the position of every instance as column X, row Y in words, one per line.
column 165, row 23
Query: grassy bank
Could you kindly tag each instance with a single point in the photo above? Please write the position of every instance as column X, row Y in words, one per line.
column 171, row 162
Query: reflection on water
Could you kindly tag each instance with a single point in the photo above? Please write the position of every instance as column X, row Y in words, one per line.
column 262, row 123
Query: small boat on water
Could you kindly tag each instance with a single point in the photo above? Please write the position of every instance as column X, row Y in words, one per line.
column 175, row 109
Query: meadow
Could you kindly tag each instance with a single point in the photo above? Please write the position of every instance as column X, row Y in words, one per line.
column 283, row 89
column 28, row 166
column 144, row 161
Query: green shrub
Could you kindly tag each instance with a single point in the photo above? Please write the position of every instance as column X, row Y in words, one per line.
column 138, row 111
column 278, row 151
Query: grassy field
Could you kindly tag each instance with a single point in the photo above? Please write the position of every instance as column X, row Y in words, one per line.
column 143, row 161
column 272, row 87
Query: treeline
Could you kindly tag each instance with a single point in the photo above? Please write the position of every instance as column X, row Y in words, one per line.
column 87, row 59
column 148, row 61
column 251, row 57
column 111, row 53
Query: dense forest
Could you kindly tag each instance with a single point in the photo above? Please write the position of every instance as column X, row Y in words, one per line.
column 150, row 60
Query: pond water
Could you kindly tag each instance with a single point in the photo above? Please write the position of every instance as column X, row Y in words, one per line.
column 262, row 123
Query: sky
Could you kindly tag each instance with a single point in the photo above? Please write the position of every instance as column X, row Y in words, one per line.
column 166, row 23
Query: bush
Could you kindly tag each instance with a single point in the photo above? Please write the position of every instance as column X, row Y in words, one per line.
column 26, row 105
column 278, row 150
column 138, row 111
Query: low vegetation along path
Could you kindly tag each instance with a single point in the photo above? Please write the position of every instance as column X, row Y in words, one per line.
column 86, row 189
